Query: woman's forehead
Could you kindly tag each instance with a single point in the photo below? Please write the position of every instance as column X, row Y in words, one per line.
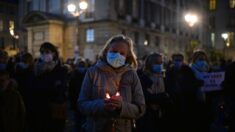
column 119, row 45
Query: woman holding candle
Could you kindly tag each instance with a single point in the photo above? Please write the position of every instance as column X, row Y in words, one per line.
column 111, row 95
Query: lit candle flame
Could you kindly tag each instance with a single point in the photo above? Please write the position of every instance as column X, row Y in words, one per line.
column 117, row 94
column 108, row 96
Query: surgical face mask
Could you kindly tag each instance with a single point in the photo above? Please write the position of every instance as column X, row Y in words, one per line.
column 116, row 60
column 47, row 57
column 201, row 65
column 157, row 68
column 3, row 66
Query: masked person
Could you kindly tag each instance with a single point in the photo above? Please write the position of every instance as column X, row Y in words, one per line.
column 111, row 96
column 200, row 66
column 156, row 96
column 50, row 85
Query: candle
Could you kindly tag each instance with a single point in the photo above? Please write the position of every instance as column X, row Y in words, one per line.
column 117, row 94
column 107, row 96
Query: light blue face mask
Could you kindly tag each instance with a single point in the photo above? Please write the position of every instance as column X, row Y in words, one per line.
column 201, row 65
column 157, row 68
column 116, row 60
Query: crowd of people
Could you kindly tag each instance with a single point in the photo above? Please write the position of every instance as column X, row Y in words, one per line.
column 116, row 93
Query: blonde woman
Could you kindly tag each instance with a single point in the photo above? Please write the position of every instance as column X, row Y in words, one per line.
column 111, row 95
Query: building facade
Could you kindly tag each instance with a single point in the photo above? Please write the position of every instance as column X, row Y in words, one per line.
column 222, row 21
column 154, row 25
column 9, row 26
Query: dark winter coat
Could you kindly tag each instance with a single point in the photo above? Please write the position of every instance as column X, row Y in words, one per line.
column 12, row 110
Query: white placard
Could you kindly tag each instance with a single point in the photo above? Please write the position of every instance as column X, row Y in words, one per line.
column 212, row 81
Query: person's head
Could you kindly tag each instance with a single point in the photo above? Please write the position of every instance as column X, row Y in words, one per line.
column 48, row 52
column 26, row 61
column 177, row 60
column 119, row 51
column 154, row 63
column 200, row 60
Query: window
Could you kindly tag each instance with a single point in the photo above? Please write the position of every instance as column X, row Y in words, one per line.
column 90, row 35
column 54, row 6
column 157, row 41
column 89, row 13
column 36, row 4
column 129, row 5
column 29, row 5
column 212, row 21
column 213, row 39
column 232, row 3
column 11, row 27
column 1, row 25
column 136, row 38
column 231, row 39
column 212, row 4
column 135, row 8
column 42, row 5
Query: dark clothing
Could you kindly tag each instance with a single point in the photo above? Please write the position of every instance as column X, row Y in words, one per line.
column 154, row 119
column 74, row 91
column 229, row 91
column 187, row 110
column 12, row 110
column 49, row 88
column 75, row 86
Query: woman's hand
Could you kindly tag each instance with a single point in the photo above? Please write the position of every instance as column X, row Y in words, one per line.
column 114, row 103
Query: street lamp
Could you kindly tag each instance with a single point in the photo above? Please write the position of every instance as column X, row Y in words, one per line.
column 72, row 8
column 226, row 43
column 191, row 19
column 225, row 37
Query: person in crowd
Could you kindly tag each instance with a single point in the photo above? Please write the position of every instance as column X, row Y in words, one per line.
column 50, row 86
column 200, row 66
column 156, row 96
column 174, row 89
column 183, row 88
column 172, row 73
column 24, row 75
column 12, row 110
column 75, row 84
column 111, row 96
column 229, row 92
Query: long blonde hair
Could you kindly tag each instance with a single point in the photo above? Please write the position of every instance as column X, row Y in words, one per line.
column 131, row 57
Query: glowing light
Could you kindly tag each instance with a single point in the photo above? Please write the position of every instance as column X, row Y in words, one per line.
column 71, row 7
column 83, row 5
column 117, row 94
column 107, row 96
column 145, row 42
column 191, row 19
column 224, row 36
